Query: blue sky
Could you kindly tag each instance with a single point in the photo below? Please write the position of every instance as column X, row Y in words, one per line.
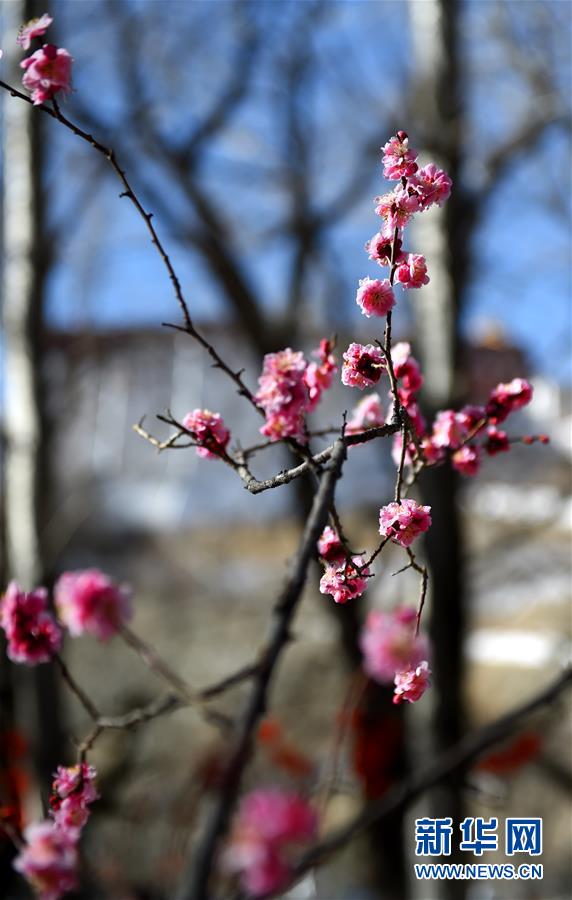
column 107, row 274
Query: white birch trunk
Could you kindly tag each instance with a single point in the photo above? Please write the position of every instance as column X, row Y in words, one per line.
column 22, row 420
column 434, row 309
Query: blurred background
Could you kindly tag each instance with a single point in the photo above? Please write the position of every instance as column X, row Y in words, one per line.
column 252, row 130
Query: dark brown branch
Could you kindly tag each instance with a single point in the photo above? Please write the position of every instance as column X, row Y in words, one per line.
column 376, row 552
column 195, row 882
column 169, row 703
column 318, row 459
column 229, row 681
column 424, row 583
column 131, row 719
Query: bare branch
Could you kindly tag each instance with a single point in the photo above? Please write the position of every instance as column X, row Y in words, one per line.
column 288, row 475
column 74, row 687
column 194, row 885
column 169, row 703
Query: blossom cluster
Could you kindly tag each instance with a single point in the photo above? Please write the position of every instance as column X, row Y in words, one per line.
column 90, row 602
column 86, row 602
column 394, row 652
column 345, row 580
column 418, row 190
column 457, row 434
column 345, row 577
column 392, row 648
column 403, row 521
column 270, row 826
column 362, row 365
column 209, row 431
column 290, row 387
column 48, row 69
column 453, row 433
column 31, row 630
column 49, row 858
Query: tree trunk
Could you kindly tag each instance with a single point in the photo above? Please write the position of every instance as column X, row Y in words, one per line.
column 441, row 234
column 23, row 237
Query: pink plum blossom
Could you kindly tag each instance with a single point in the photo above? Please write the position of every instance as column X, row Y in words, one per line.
column 31, row 630
column 368, row 413
column 379, row 248
column 283, row 395
column 343, row 581
column 507, row 398
column 209, row 430
column 467, row 460
column 375, row 297
column 362, row 365
column 318, row 376
column 49, row 860
column 33, row 29
column 48, row 71
column 390, row 645
column 90, row 602
column 411, row 684
column 448, row 429
column 73, row 790
column 497, row 442
column 397, row 207
column 329, row 546
column 398, row 159
column 406, row 367
column 433, row 185
column 404, row 521
column 270, row 826
column 413, row 272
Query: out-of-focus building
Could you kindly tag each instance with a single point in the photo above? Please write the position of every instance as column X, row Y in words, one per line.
column 490, row 360
column 101, row 383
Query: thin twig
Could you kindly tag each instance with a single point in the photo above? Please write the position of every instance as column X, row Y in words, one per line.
column 87, row 704
column 246, row 452
column 399, row 479
column 169, row 703
column 157, row 665
column 422, row 569
column 285, row 477
column 169, row 444
column 376, row 552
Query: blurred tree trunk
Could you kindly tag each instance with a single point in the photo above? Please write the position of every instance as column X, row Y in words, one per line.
column 441, row 233
column 25, row 457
